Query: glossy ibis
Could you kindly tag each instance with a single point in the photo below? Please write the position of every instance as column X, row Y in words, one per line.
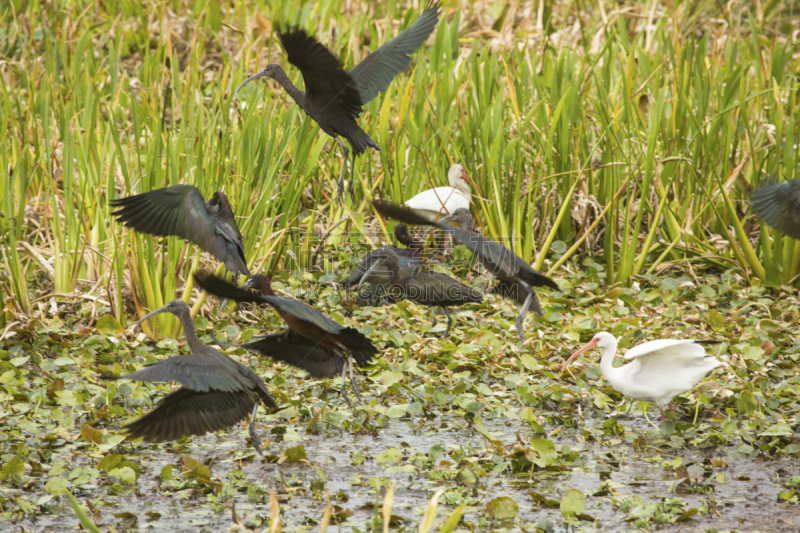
column 778, row 204
column 410, row 259
column 435, row 203
column 516, row 277
column 217, row 392
column 333, row 97
column 346, row 343
column 659, row 371
column 295, row 350
column 180, row 210
column 425, row 287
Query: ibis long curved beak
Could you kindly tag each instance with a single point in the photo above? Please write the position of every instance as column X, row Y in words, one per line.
column 367, row 273
column 251, row 78
column 150, row 315
column 588, row 346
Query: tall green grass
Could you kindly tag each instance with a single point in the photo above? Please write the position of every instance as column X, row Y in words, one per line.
column 665, row 127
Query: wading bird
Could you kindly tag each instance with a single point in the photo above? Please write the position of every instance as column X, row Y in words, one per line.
column 217, row 392
column 435, row 203
column 295, row 350
column 180, row 210
column 410, row 259
column 333, row 98
column 659, row 371
column 517, row 277
column 346, row 343
column 778, row 204
column 425, row 287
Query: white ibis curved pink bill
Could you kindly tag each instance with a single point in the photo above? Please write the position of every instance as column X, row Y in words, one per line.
column 435, row 203
column 658, row 371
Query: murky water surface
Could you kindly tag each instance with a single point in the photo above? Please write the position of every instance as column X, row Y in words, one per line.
column 745, row 501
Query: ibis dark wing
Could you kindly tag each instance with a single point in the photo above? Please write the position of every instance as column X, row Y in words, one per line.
column 499, row 260
column 778, row 204
column 517, row 292
column 429, row 287
column 219, row 206
column 298, row 351
column 222, row 289
column 374, row 74
column 376, row 277
column 197, row 372
column 180, row 210
column 324, row 78
column 186, row 412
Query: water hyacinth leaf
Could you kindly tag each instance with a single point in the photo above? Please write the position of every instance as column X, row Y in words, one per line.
column 90, row 434
column 397, row 411
column 780, row 429
column 108, row 325
column 573, row 503
column 109, row 461
column 57, row 486
column 295, row 454
column 502, row 508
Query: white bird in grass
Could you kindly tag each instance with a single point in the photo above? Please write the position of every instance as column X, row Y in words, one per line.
column 435, row 203
column 659, row 371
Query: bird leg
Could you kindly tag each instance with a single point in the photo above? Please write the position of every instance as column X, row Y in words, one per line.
column 433, row 314
column 662, row 417
column 353, row 383
column 340, row 188
column 449, row 322
column 252, row 430
column 522, row 313
column 352, row 183
column 344, row 387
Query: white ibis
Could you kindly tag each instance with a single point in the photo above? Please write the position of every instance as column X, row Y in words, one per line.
column 659, row 371
column 440, row 201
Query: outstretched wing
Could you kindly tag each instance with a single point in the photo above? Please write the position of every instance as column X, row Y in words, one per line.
column 198, row 372
column 499, row 260
column 298, row 351
column 222, row 289
column 324, row 78
column 186, row 412
column 778, row 204
column 180, row 211
column 376, row 72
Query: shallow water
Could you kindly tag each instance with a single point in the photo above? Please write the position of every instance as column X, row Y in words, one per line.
column 748, row 503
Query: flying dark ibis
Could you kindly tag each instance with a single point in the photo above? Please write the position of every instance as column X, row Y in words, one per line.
column 778, row 204
column 658, row 370
column 409, row 259
column 425, row 287
column 295, row 350
column 333, row 98
column 346, row 343
column 516, row 277
column 181, row 211
column 217, row 392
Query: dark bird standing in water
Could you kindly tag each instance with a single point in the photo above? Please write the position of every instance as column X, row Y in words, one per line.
column 778, row 205
column 333, row 98
column 346, row 343
column 517, row 277
column 180, row 210
column 425, row 287
column 217, row 392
